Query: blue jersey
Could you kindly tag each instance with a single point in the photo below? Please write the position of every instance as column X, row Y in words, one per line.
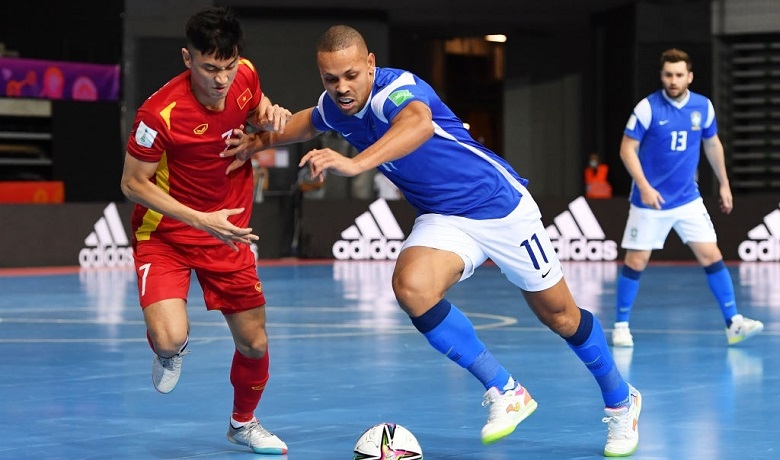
column 670, row 135
column 450, row 174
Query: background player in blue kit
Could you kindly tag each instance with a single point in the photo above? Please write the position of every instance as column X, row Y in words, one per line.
column 472, row 206
column 660, row 149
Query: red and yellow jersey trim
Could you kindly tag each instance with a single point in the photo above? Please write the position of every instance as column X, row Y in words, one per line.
column 151, row 218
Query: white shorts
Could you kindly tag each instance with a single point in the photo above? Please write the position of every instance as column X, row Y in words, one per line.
column 517, row 243
column 647, row 229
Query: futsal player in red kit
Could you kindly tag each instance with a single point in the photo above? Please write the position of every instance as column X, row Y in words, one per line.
column 191, row 215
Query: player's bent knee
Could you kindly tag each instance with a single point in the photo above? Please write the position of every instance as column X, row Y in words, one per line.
column 561, row 317
column 167, row 345
column 254, row 348
column 414, row 295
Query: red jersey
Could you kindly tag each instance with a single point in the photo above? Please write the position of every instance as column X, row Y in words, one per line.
column 175, row 130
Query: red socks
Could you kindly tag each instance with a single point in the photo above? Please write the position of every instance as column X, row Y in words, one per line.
column 248, row 377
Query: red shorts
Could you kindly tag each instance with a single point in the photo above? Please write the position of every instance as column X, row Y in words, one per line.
column 228, row 277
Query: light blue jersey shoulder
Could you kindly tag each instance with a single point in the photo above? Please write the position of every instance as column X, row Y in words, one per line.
column 450, row 174
column 670, row 135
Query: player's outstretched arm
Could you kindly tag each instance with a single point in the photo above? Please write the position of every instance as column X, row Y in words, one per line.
column 410, row 128
column 242, row 145
column 269, row 116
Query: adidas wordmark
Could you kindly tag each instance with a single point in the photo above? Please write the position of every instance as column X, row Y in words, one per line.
column 577, row 235
column 764, row 242
column 107, row 245
column 375, row 235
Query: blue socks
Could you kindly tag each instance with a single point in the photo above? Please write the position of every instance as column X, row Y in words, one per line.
column 627, row 288
column 718, row 277
column 452, row 334
column 590, row 345
column 722, row 287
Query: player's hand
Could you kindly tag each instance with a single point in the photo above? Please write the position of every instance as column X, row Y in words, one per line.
column 217, row 224
column 275, row 118
column 241, row 146
column 321, row 160
column 726, row 200
column 651, row 198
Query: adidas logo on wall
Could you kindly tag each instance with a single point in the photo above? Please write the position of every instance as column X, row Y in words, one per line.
column 577, row 235
column 375, row 235
column 107, row 245
column 764, row 242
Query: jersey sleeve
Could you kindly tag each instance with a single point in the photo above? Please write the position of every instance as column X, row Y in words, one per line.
column 397, row 95
column 148, row 139
column 639, row 121
column 318, row 114
column 255, row 95
column 710, row 124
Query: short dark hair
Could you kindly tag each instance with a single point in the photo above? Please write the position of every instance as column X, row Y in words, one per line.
column 217, row 31
column 674, row 55
column 340, row 37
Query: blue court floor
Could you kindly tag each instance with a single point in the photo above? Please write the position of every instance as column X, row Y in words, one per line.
column 75, row 368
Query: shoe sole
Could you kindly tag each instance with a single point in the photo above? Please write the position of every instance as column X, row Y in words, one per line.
column 259, row 450
column 164, row 391
column 741, row 338
column 498, row 435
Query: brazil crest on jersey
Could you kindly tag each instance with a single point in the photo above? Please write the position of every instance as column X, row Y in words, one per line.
column 450, row 174
column 670, row 135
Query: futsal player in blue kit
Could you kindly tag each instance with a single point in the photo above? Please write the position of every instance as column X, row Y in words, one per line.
column 472, row 206
column 660, row 149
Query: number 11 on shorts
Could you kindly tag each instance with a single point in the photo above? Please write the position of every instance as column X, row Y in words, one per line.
column 527, row 245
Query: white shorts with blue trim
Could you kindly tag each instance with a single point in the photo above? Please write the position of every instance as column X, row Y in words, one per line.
column 647, row 229
column 518, row 244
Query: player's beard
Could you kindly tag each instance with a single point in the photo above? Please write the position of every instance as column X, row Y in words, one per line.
column 677, row 95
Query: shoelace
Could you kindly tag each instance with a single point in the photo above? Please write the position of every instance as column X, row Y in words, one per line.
column 496, row 408
column 617, row 427
column 255, row 428
column 174, row 361
column 489, row 399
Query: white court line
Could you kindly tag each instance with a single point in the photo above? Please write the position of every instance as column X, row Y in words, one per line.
column 359, row 329
column 655, row 331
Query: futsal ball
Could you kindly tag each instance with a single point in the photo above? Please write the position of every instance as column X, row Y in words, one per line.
column 387, row 441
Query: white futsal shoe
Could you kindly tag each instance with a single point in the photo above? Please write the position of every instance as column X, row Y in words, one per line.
column 257, row 438
column 742, row 329
column 166, row 372
column 621, row 335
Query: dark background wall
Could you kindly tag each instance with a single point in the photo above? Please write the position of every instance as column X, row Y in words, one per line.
column 83, row 31
column 631, row 39
column 571, row 72
column 86, row 136
column 572, row 75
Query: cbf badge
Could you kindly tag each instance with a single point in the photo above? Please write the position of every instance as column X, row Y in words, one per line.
column 695, row 121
